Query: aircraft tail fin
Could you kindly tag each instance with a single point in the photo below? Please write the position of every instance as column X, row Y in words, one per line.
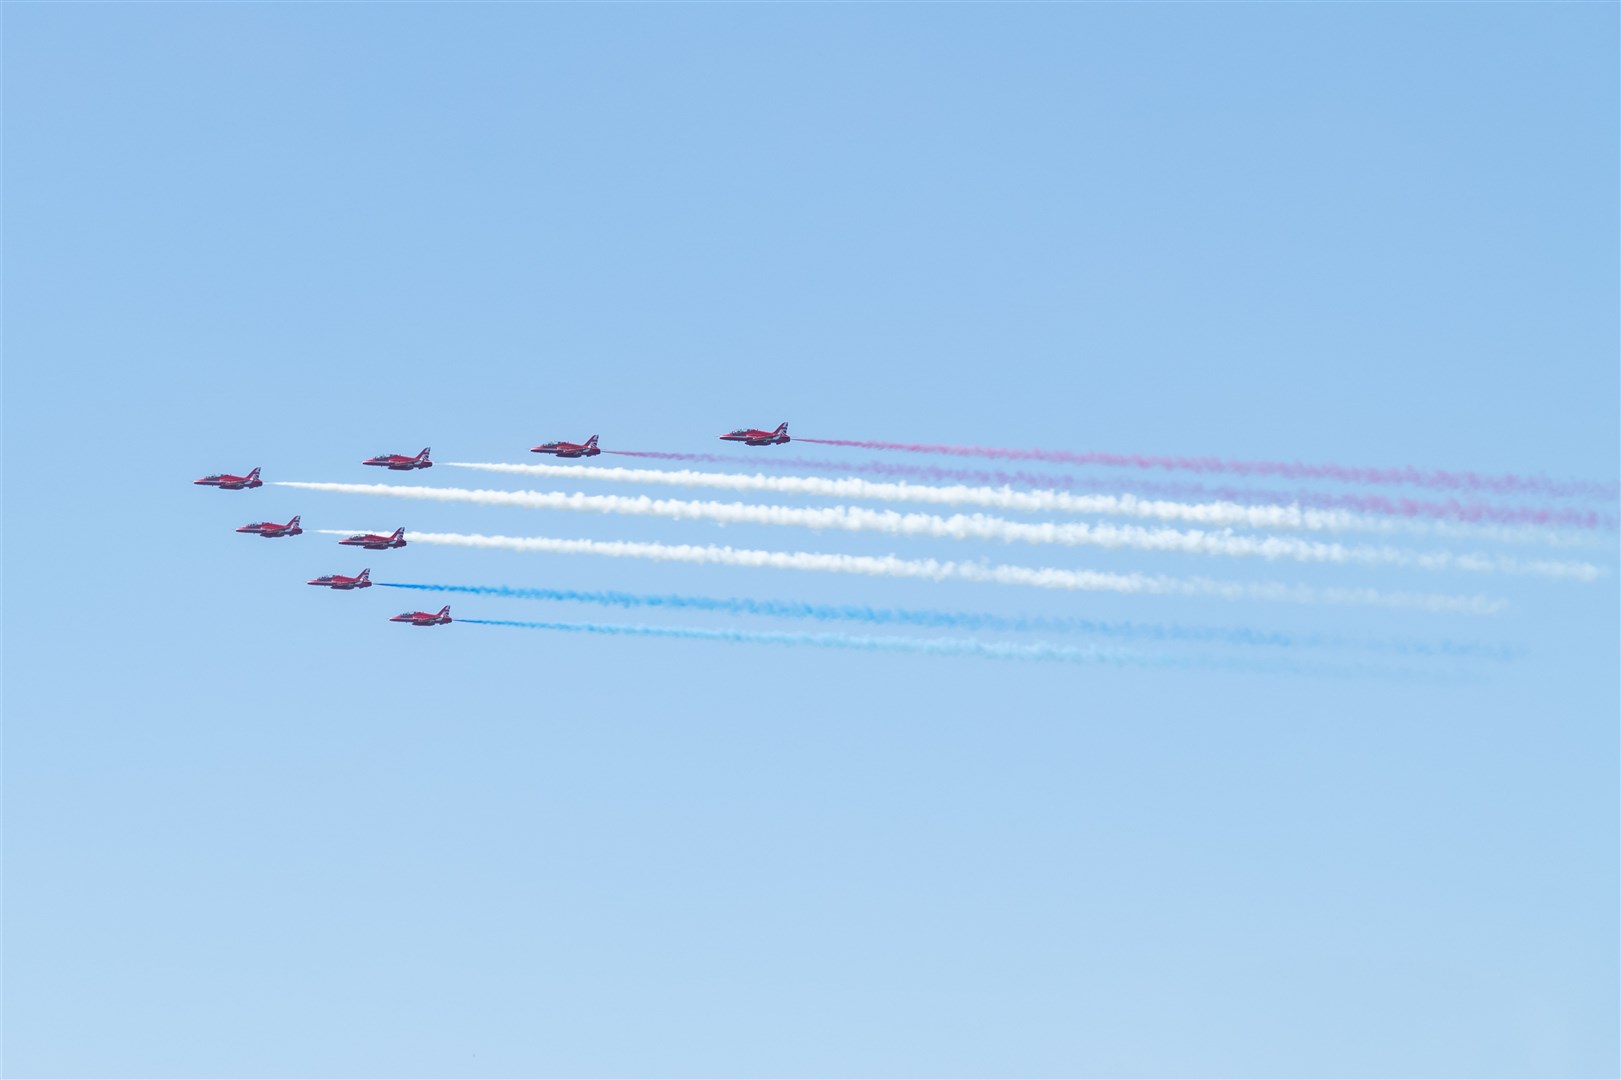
column 365, row 575
column 782, row 428
column 592, row 441
column 444, row 611
column 399, row 533
column 424, row 455
column 293, row 524
column 254, row 473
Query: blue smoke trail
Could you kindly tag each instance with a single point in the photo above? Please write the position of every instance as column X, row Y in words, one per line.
column 994, row 650
column 968, row 620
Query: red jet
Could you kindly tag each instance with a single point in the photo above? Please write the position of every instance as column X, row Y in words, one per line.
column 568, row 449
column 227, row 482
column 373, row 542
column 755, row 437
column 401, row 463
column 338, row 581
column 422, row 618
column 271, row 529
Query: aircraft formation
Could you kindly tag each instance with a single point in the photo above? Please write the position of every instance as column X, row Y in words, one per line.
column 1219, row 512
column 270, row 530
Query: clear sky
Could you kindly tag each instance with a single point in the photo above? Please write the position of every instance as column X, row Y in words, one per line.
column 252, row 829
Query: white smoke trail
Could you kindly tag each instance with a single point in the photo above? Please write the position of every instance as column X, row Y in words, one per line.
column 936, row 570
column 1215, row 513
column 976, row 527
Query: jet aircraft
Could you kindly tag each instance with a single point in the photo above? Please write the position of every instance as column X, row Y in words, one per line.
column 271, row 529
column 423, row 618
column 338, row 581
column 568, row 449
column 227, row 482
column 756, row 437
column 374, row 542
column 401, row 463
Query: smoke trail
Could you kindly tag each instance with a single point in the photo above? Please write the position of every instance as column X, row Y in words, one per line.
column 969, row 620
column 1420, row 512
column 1451, row 510
column 713, row 459
column 935, row 570
column 991, row 650
column 975, row 527
column 1218, row 514
column 1406, row 476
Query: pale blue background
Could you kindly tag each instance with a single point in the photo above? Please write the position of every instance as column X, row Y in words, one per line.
column 251, row 829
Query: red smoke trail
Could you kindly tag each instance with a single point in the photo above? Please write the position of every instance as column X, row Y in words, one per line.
column 714, row 459
column 1471, row 512
column 1345, row 474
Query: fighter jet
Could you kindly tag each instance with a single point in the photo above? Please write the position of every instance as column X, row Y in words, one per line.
column 401, row 463
column 374, row 542
column 270, row 529
column 568, row 449
column 756, row 437
column 422, row 618
column 227, row 482
column 338, row 581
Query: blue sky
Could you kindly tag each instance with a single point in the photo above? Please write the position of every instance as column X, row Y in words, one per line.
column 252, row 829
